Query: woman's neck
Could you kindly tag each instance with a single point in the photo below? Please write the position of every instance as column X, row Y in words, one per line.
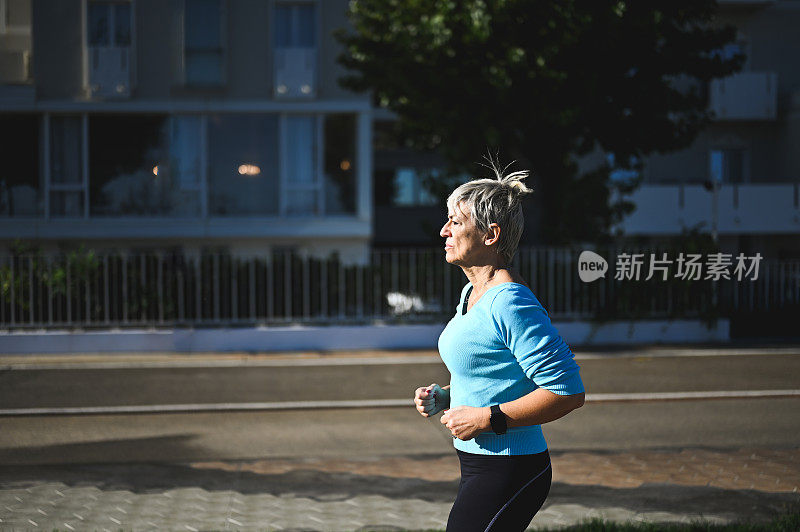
column 482, row 277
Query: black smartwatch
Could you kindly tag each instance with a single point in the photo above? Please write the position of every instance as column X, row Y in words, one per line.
column 498, row 420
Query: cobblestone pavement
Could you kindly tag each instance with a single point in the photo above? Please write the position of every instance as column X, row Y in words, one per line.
column 394, row 493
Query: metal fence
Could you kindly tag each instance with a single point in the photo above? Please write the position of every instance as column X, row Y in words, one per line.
column 89, row 290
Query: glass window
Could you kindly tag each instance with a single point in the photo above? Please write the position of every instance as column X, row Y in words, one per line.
column 203, row 44
column 20, row 190
column 129, row 169
column 122, row 24
column 66, row 150
column 283, row 26
column 410, row 189
column 185, row 150
column 727, row 165
column 300, row 163
column 340, row 164
column 295, row 25
column 243, row 176
column 109, row 24
column 99, row 13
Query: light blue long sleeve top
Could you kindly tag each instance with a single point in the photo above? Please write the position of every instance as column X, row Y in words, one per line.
column 503, row 348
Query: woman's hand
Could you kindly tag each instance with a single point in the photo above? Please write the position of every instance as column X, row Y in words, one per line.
column 431, row 399
column 466, row 422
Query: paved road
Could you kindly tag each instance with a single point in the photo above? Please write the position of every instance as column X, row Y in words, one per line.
column 326, row 379
column 349, row 469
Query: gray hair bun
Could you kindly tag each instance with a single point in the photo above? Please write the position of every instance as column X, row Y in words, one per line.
column 515, row 180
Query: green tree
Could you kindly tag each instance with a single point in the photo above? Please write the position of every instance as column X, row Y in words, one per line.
column 544, row 82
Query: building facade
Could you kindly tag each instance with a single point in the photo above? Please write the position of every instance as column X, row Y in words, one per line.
column 187, row 125
column 740, row 179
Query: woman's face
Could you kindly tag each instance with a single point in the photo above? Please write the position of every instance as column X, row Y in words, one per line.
column 463, row 243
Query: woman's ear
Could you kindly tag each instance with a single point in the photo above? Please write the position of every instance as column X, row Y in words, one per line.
column 493, row 235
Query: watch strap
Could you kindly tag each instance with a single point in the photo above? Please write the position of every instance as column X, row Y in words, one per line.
column 498, row 420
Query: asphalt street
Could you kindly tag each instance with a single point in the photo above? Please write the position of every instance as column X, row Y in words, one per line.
column 326, row 379
column 718, row 423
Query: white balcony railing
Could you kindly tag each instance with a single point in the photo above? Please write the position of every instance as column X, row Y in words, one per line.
column 110, row 71
column 295, row 72
column 745, row 96
column 741, row 209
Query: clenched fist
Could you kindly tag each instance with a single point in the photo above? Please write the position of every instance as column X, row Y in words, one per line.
column 466, row 422
column 431, row 399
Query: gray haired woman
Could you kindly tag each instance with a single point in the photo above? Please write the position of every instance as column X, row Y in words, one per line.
column 510, row 370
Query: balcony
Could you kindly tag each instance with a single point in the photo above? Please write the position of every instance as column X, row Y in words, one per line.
column 745, row 96
column 742, row 209
column 295, row 72
column 110, row 71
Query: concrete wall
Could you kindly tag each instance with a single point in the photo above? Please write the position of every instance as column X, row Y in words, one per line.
column 58, row 49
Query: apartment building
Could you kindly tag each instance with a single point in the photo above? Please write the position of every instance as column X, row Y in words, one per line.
column 181, row 125
column 740, row 179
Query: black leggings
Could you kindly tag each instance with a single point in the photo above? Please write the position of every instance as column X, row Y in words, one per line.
column 499, row 493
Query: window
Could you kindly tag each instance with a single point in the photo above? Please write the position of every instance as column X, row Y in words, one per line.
column 300, row 164
column 130, row 166
column 243, row 174
column 295, row 45
column 727, row 165
column 410, row 189
column 109, row 24
column 203, row 49
column 67, row 190
column 340, row 164
column 295, row 26
column 20, row 191
column 186, row 151
column 109, row 40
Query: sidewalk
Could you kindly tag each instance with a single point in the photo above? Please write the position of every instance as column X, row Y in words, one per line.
column 395, row 493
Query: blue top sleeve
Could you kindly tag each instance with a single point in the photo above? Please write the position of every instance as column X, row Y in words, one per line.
column 524, row 327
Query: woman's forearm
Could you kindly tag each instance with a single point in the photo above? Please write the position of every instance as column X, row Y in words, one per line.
column 540, row 406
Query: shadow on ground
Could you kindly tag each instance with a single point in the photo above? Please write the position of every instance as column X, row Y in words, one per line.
column 142, row 478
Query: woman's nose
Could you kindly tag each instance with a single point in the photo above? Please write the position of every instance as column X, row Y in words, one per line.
column 445, row 232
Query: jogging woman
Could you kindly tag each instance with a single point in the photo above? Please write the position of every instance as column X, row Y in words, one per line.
column 510, row 371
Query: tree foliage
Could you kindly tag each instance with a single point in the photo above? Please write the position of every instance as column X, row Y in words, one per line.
column 543, row 82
